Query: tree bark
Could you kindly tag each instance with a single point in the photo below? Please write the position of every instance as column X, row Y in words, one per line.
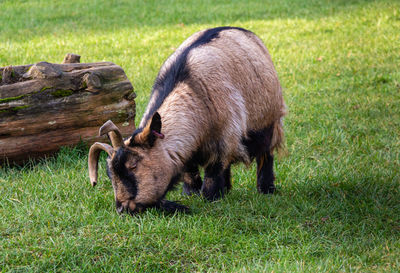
column 45, row 106
column 71, row 58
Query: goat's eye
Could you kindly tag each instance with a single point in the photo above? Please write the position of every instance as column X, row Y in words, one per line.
column 132, row 166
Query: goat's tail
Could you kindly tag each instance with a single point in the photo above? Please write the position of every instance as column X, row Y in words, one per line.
column 278, row 135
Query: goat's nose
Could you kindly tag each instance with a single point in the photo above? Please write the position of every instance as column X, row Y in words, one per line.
column 119, row 206
column 120, row 209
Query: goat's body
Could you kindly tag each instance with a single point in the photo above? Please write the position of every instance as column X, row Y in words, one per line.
column 216, row 101
column 229, row 89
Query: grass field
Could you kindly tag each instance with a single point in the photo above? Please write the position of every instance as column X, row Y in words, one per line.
column 337, row 206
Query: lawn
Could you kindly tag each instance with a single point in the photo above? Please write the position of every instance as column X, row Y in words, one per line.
column 337, row 205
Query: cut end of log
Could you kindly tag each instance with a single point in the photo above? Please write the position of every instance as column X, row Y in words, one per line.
column 71, row 58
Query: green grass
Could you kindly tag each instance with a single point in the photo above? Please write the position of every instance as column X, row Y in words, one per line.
column 337, row 207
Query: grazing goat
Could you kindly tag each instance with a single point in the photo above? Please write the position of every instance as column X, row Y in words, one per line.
column 216, row 101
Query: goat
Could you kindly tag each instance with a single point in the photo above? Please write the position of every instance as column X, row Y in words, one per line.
column 216, row 101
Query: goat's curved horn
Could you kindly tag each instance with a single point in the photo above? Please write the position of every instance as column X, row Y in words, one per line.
column 115, row 135
column 93, row 160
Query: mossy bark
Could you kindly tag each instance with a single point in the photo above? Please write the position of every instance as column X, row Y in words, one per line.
column 45, row 106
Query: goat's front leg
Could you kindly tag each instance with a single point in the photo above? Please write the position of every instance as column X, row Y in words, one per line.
column 192, row 180
column 216, row 181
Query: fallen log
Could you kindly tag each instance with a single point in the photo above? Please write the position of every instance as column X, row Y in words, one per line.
column 45, row 106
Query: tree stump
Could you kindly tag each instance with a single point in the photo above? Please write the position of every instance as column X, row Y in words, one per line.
column 45, row 106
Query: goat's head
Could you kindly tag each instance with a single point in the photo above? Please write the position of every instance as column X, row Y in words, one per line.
column 137, row 167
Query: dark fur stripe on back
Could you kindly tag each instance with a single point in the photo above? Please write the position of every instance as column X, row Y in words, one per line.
column 179, row 70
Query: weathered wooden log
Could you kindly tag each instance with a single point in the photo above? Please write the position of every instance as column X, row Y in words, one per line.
column 71, row 58
column 45, row 106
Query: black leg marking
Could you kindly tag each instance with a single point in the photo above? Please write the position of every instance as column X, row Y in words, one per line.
column 227, row 179
column 258, row 145
column 213, row 188
column 214, row 182
column 265, row 173
column 192, row 181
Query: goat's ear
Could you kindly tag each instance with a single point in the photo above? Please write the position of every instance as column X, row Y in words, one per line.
column 155, row 125
column 151, row 132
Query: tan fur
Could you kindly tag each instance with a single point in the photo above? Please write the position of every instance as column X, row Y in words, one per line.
column 232, row 89
column 142, row 137
column 148, row 172
column 164, row 68
column 235, row 77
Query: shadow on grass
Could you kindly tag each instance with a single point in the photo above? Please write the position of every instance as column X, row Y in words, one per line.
column 362, row 207
column 65, row 153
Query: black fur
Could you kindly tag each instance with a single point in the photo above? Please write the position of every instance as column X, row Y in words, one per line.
column 165, row 205
column 171, row 207
column 258, row 142
column 265, row 174
column 139, row 208
column 132, row 142
column 180, row 70
column 127, row 178
column 155, row 126
column 258, row 146
column 198, row 158
column 214, row 182
column 227, row 179
column 192, row 180
column 168, row 206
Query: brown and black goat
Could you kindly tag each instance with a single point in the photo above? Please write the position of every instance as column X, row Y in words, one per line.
column 216, row 101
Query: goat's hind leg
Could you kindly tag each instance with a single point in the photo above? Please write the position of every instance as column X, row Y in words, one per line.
column 258, row 145
column 265, row 173
column 227, row 179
